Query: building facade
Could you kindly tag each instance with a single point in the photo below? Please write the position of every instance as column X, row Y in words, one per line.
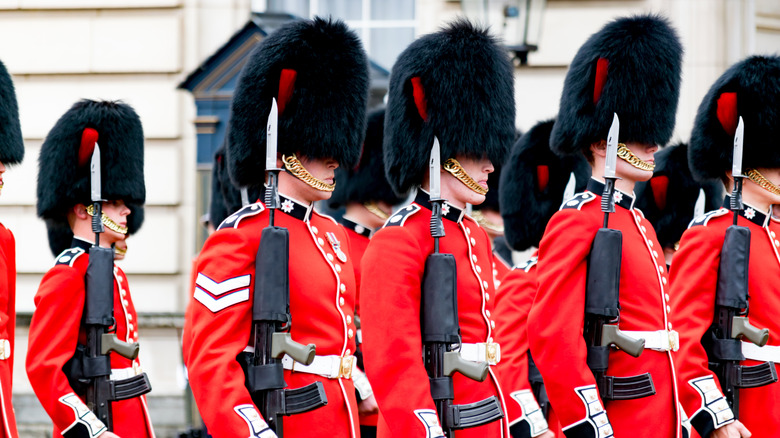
column 140, row 51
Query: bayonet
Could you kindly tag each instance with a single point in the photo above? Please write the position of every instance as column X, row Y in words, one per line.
column 434, row 172
column 736, row 170
column 96, row 193
column 272, row 130
column 612, row 147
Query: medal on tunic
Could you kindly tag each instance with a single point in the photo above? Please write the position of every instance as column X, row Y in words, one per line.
column 334, row 242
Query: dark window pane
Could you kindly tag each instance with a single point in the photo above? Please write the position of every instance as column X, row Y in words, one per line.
column 392, row 10
column 344, row 9
column 295, row 7
column 387, row 44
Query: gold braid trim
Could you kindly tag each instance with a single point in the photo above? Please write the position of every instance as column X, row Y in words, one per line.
column 120, row 251
column 378, row 212
column 626, row 154
column 452, row 166
column 485, row 223
column 295, row 167
column 764, row 183
column 107, row 221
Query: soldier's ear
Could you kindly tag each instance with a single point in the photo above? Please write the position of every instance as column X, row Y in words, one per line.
column 80, row 211
column 599, row 148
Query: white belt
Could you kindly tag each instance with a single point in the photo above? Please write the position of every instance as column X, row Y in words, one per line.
column 660, row 340
column 489, row 352
column 5, row 349
column 767, row 353
column 332, row 367
column 125, row 373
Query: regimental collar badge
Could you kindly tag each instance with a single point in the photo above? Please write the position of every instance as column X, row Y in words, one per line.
column 621, row 199
column 336, row 245
column 750, row 213
column 295, row 208
column 448, row 211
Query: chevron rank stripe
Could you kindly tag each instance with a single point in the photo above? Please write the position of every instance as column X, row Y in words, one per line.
column 217, row 296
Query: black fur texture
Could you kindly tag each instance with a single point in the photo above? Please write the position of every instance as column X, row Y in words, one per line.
column 642, row 86
column 366, row 182
column 325, row 117
column 61, row 236
column 225, row 196
column 63, row 184
column 11, row 144
column 525, row 208
column 756, row 80
column 469, row 88
column 682, row 192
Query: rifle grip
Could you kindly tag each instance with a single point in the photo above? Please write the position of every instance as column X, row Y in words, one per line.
column 740, row 326
column 109, row 342
column 473, row 370
column 611, row 335
column 282, row 344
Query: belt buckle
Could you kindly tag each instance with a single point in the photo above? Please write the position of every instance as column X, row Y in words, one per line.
column 345, row 370
column 674, row 340
column 5, row 349
column 491, row 352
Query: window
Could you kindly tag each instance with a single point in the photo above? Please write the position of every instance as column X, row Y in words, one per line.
column 386, row 27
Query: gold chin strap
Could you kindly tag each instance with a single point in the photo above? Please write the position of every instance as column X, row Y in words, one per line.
column 107, row 221
column 626, row 154
column 764, row 183
column 120, row 251
column 452, row 166
column 295, row 167
column 378, row 212
column 485, row 223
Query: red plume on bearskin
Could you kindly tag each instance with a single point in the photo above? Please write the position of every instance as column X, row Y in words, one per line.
column 11, row 144
column 88, row 140
column 286, row 87
column 727, row 112
column 63, row 172
column 434, row 91
column 632, row 67
column 669, row 197
column 533, row 180
column 749, row 89
column 321, row 65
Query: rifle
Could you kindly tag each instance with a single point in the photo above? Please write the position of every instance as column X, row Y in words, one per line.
column 731, row 302
column 441, row 330
column 602, row 297
column 92, row 365
column 271, row 318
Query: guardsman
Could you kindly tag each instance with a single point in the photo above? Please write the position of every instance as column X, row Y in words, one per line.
column 488, row 215
column 11, row 152
column 672, row 198
column 456, row 86
column 749, row 90
column 368, row 200
column 57, row 363
column 534, row 183
column 631, row 67
column 317, row 73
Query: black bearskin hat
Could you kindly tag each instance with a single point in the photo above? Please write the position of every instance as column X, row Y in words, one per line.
column 61, row 236
column 63, row 165
column 456, row 84
column 366, row 182
column 318, row 72
column 668, row 199
column 11, row 144
column 225, row 196
column 532, row 186
column 630, row 67
column 750, row 89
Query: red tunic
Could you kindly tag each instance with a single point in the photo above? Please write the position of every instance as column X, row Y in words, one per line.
column 7, row 330
column 56, row 329
column 513, row 302
column 219, row 320
column 694, row 280
column 555, row 324
column 393, row 267
column 359, row 237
